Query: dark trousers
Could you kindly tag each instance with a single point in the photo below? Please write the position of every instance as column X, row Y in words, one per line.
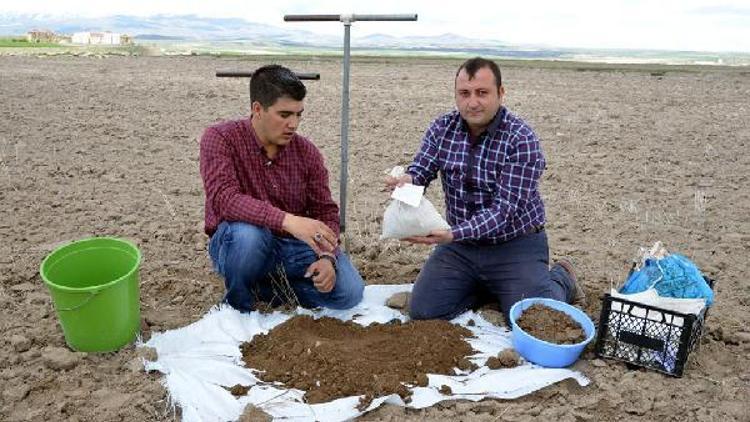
column 460, row 275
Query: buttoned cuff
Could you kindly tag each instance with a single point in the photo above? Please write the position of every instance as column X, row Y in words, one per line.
column 415, row 178
column 461, row 232
column 274, row 219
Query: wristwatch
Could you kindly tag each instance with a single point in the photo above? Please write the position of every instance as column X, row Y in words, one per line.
column 330, row 258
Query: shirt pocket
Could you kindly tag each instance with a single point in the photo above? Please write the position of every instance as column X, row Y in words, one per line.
column 454, row 168
column 485, row 183
column 491, row 169
column 486, row 179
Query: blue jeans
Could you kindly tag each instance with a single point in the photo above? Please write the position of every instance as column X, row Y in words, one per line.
column 458, row 276
column 248, row 257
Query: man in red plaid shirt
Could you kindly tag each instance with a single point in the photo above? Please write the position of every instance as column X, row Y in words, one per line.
column 269, row 211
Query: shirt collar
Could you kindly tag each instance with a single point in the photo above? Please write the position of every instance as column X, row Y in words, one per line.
column 492, row 127
column 497, row 121
column 254, row 141
column 260, row 149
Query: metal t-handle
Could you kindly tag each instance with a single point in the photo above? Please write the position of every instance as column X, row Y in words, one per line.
column 347, row 20
column 247, row 74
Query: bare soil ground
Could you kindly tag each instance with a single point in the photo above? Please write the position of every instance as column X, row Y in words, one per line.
column 109, row 146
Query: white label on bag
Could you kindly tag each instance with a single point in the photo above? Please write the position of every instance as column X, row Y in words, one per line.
column 409, row 194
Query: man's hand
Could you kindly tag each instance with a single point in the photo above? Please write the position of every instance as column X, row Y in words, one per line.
column 313, row 232
column 323, row 275
column 394, row 182
column 435, row 237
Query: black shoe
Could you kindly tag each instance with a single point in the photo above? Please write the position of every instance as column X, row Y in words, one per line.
column 579, row 296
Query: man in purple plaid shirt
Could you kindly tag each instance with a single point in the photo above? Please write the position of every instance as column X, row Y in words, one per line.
column 490, row 163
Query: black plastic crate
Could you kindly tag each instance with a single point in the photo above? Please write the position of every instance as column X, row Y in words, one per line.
column 648, row 336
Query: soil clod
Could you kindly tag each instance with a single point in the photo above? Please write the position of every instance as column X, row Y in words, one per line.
column 239, row 390
column 507, row 358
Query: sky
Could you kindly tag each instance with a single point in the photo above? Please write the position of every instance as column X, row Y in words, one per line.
column 698, row 25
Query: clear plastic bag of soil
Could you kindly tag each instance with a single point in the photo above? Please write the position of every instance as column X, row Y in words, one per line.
column 410, row 214
column 402, row 220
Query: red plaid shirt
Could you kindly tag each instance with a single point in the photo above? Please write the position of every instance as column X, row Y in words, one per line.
column 243, row 184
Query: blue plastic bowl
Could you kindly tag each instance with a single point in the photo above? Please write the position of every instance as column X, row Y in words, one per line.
column 542, row 352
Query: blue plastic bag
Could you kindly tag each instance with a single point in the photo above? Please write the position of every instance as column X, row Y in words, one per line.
column 671, row 276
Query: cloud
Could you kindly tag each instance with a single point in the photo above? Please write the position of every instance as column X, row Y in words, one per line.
column 723, row 10
column 636, row 24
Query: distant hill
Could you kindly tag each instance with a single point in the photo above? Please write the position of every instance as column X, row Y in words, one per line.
column 196, row 28
column 157, row 37
column 235, row 31
column 169, row 27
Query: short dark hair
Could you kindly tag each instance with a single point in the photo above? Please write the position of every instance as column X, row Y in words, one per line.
column 473, row 65
column 271, row 82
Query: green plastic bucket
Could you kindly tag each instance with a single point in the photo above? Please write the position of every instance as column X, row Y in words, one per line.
column 94, row 285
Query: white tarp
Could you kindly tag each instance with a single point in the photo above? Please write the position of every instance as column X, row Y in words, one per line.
column 199, row 360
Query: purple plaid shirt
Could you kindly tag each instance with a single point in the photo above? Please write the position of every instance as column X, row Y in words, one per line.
column 491, row 185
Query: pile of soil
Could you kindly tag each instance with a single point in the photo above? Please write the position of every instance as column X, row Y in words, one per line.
column 550, row 325
column 330, row 359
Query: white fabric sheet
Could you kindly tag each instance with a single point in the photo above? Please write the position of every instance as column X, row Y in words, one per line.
column 199, row 360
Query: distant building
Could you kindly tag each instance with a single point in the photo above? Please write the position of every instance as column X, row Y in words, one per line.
column 41, row 36
column 101, row 38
